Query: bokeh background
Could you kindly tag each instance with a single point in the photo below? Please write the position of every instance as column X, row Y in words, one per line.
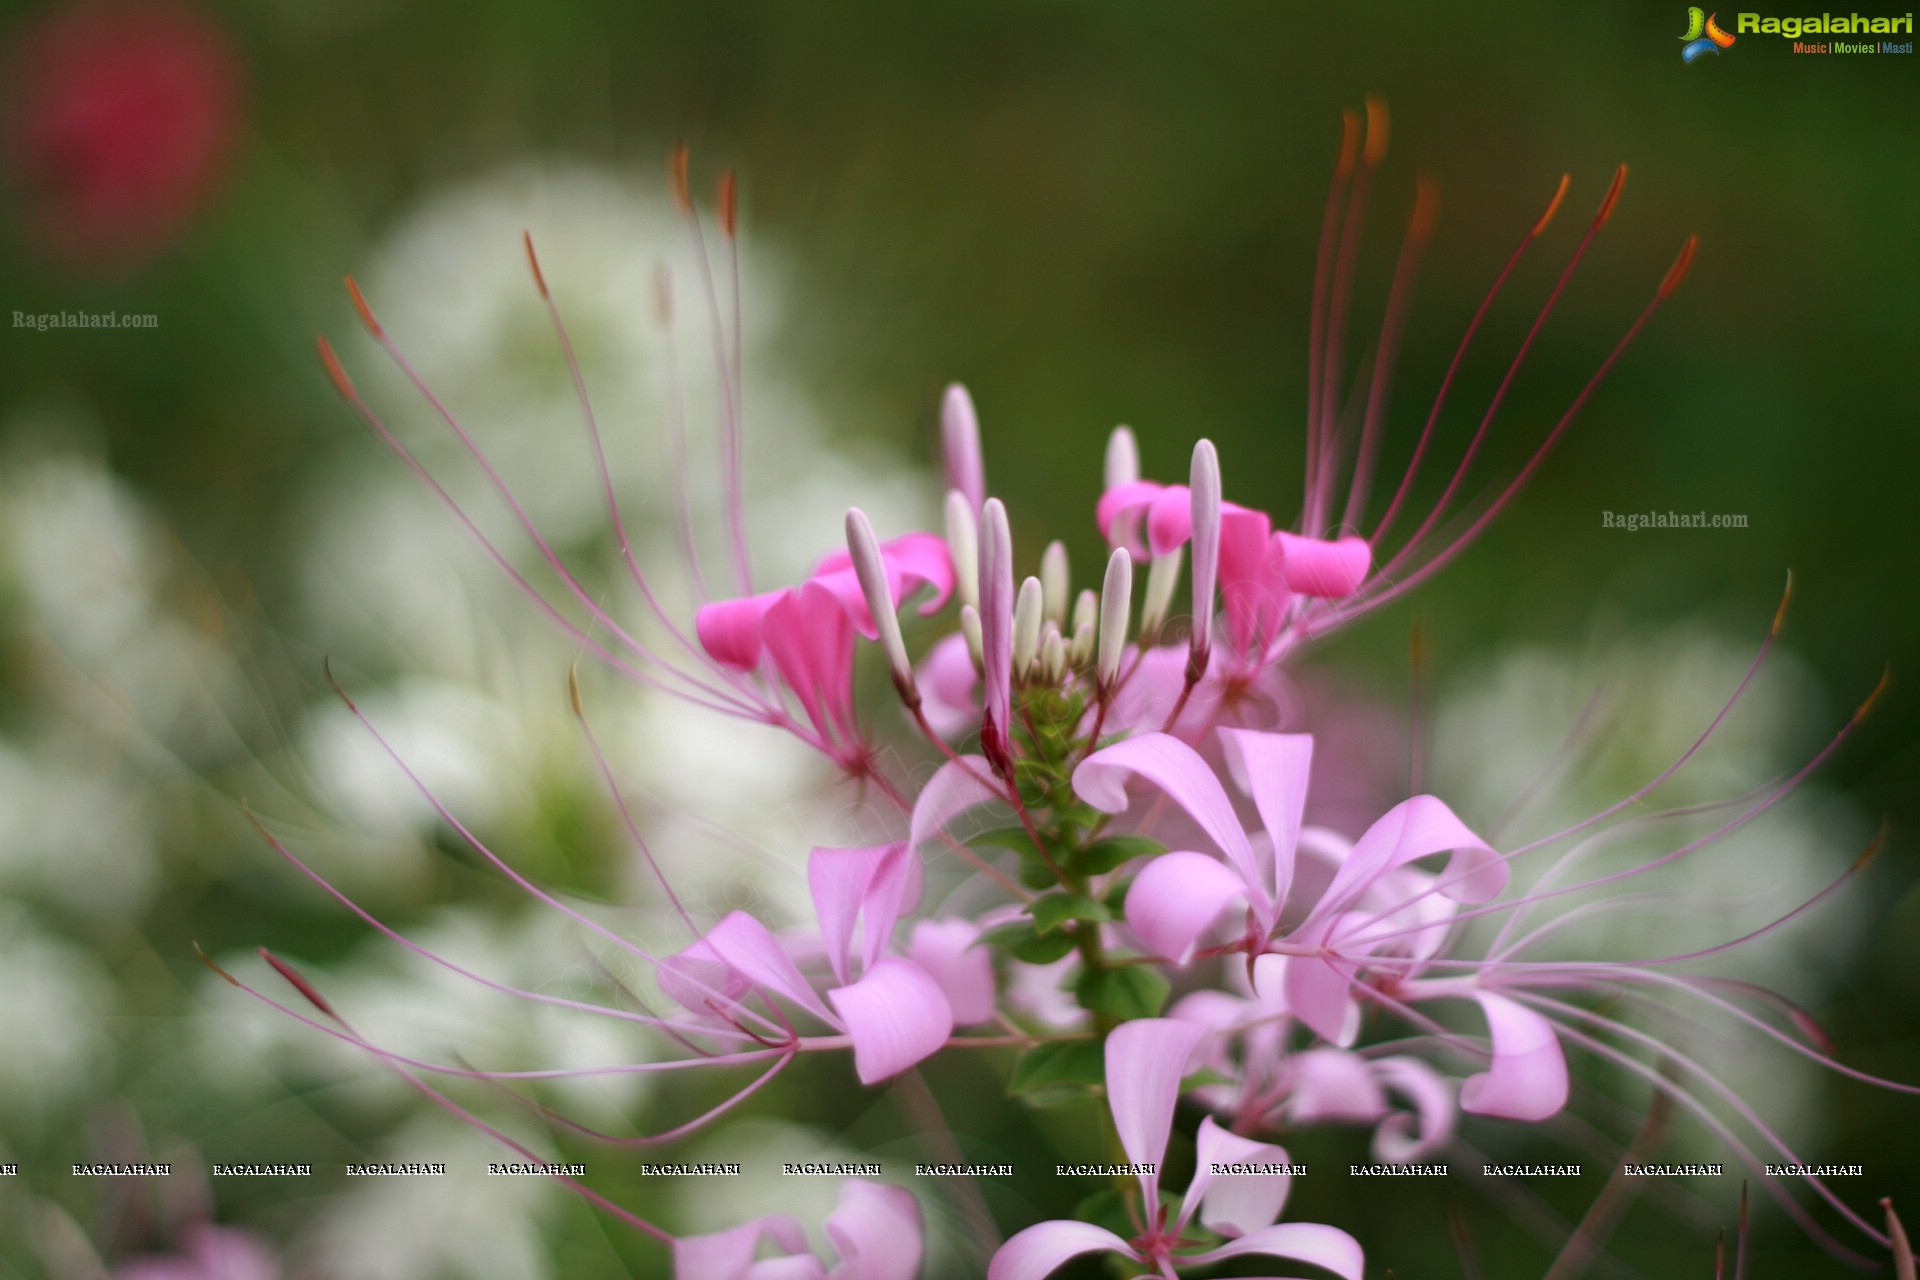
column 1090, row 213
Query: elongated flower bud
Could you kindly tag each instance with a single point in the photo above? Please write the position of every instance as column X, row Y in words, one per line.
column 970, row 631
column 1205, row 485
column 1026, row 626
column 1163, row 576
column 960, row 439
column 1123, row 458
column 996, row 635
column 1086, row 612
column 1080, row 648
column 871, row 569
column 963, row 544
column 1053, row 655
column 1055, row 584
column 1116, row 602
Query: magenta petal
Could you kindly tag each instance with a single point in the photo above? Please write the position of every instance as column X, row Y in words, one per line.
column 1251, row 587
column 1145, row 1060
column 1274, row 769
column 946, row 950
column 897, row 1016
column 1119, row 509
column 809, row 636
column 1314, row 567
column 1313, row 1242
column 1176, row 898
column 1528, row 1080
column 921, row 559
column 1411, row 830
column 877, row 1230
column 730, row 630
column 1177, row 769
column 1234, row 1204
column 1169, row 519
column 1395, row 1140
column 1043, row 1248
column 750, row 949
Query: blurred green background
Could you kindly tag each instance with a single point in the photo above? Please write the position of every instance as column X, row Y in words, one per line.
column 1096, row 213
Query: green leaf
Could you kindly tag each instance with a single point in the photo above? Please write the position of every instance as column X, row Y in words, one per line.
column 1105, row 854
column 1055, row 909
column 1021, row 942
column 1130, row 991
column 1107, row 1209
column 1059, row 1064
column 1038, row 875
column 1015, row 838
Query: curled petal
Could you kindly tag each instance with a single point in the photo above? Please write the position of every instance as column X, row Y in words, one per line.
column 729, row 1255
column 809, row 635
column 897, row 1016
column 1411, row 830
column 1043, row 1248
column 750, row 949
column 1333, row 1085
column 1169, row 519
column 1176, row 898
column 1394, row 1142
column 1177, row 769
column 877, row 1230
column 865, row 885
column 697, row 975
column 730, row 630
column 1317, row 567
column 795, row 1266
column 958, row 785
column 1313, row 1242
column 949, row 687
column 1528, row 1080
column 1120, row 509
column 1234, row 1204
column 1145, row 1060
column 946, row 950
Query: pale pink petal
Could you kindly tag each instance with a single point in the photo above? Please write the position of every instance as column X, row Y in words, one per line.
column 955, row 787
column 1313, row 1242
column 1274, row 769
column 750, row 949
column 727, row 1255
column 1315, row 567
column 1234, row 1204
column 996, row 624
column 1043, row 1248
column 796, row 1266
column 1176, row 768
column 211, row 1253
column 1411, row 830
column 730, row 630
column 1176, row 898
column 1145, row 1060
column 946, row 950
column 949, row 687
column 848, row 885
column 1319, row 993
column 1333, row 1086
column 896, row 1015
column 877, row 1230
column 1528, row 1079
column 697, row 978
column 1395, row 1141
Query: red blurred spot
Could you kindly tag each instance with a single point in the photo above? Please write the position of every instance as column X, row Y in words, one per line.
column 119, row 120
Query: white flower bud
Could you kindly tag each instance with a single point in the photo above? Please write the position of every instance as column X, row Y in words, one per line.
column 1163, row 576
column 1026, row 627
column 1123, row 458
column 1055, row 583
column 1116, row 603
column 870, row 567
column 963, row 544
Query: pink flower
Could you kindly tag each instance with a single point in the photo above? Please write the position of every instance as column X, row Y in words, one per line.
column 1145, row 1061
column 207, row 1253
column 876, row 1230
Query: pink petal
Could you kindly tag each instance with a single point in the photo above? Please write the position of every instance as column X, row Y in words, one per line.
column 730, row 630
column 1176, row 898
column 1145, row 1060
column 897, row 1016
column 1274, row 769
column 697, row 978
column 1528, row 1080
column 1169, row 519
column 955, row 787
column 1251, row 587
column 749, row 948
column 1314, row 567
column 1332, row 1085
column 946, row 950
column 1119, row 509
column 877, row 1230
column 1411, row 830
column 921, row 559
column 949, row 687
column 798, row 1266
column 1313, row 1242
column 1432, row 1098
column 727, row 1255
column 1177, row 769
column 1319, row 993
column 864, row 884
column 1234, row 1204
column 1043, row 1248
column 810, row 638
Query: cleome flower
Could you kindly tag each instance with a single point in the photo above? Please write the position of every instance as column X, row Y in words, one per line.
column 876, row 1229
column 1145, row 1061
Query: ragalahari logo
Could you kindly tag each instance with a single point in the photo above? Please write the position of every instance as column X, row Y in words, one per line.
column 1703, row 35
